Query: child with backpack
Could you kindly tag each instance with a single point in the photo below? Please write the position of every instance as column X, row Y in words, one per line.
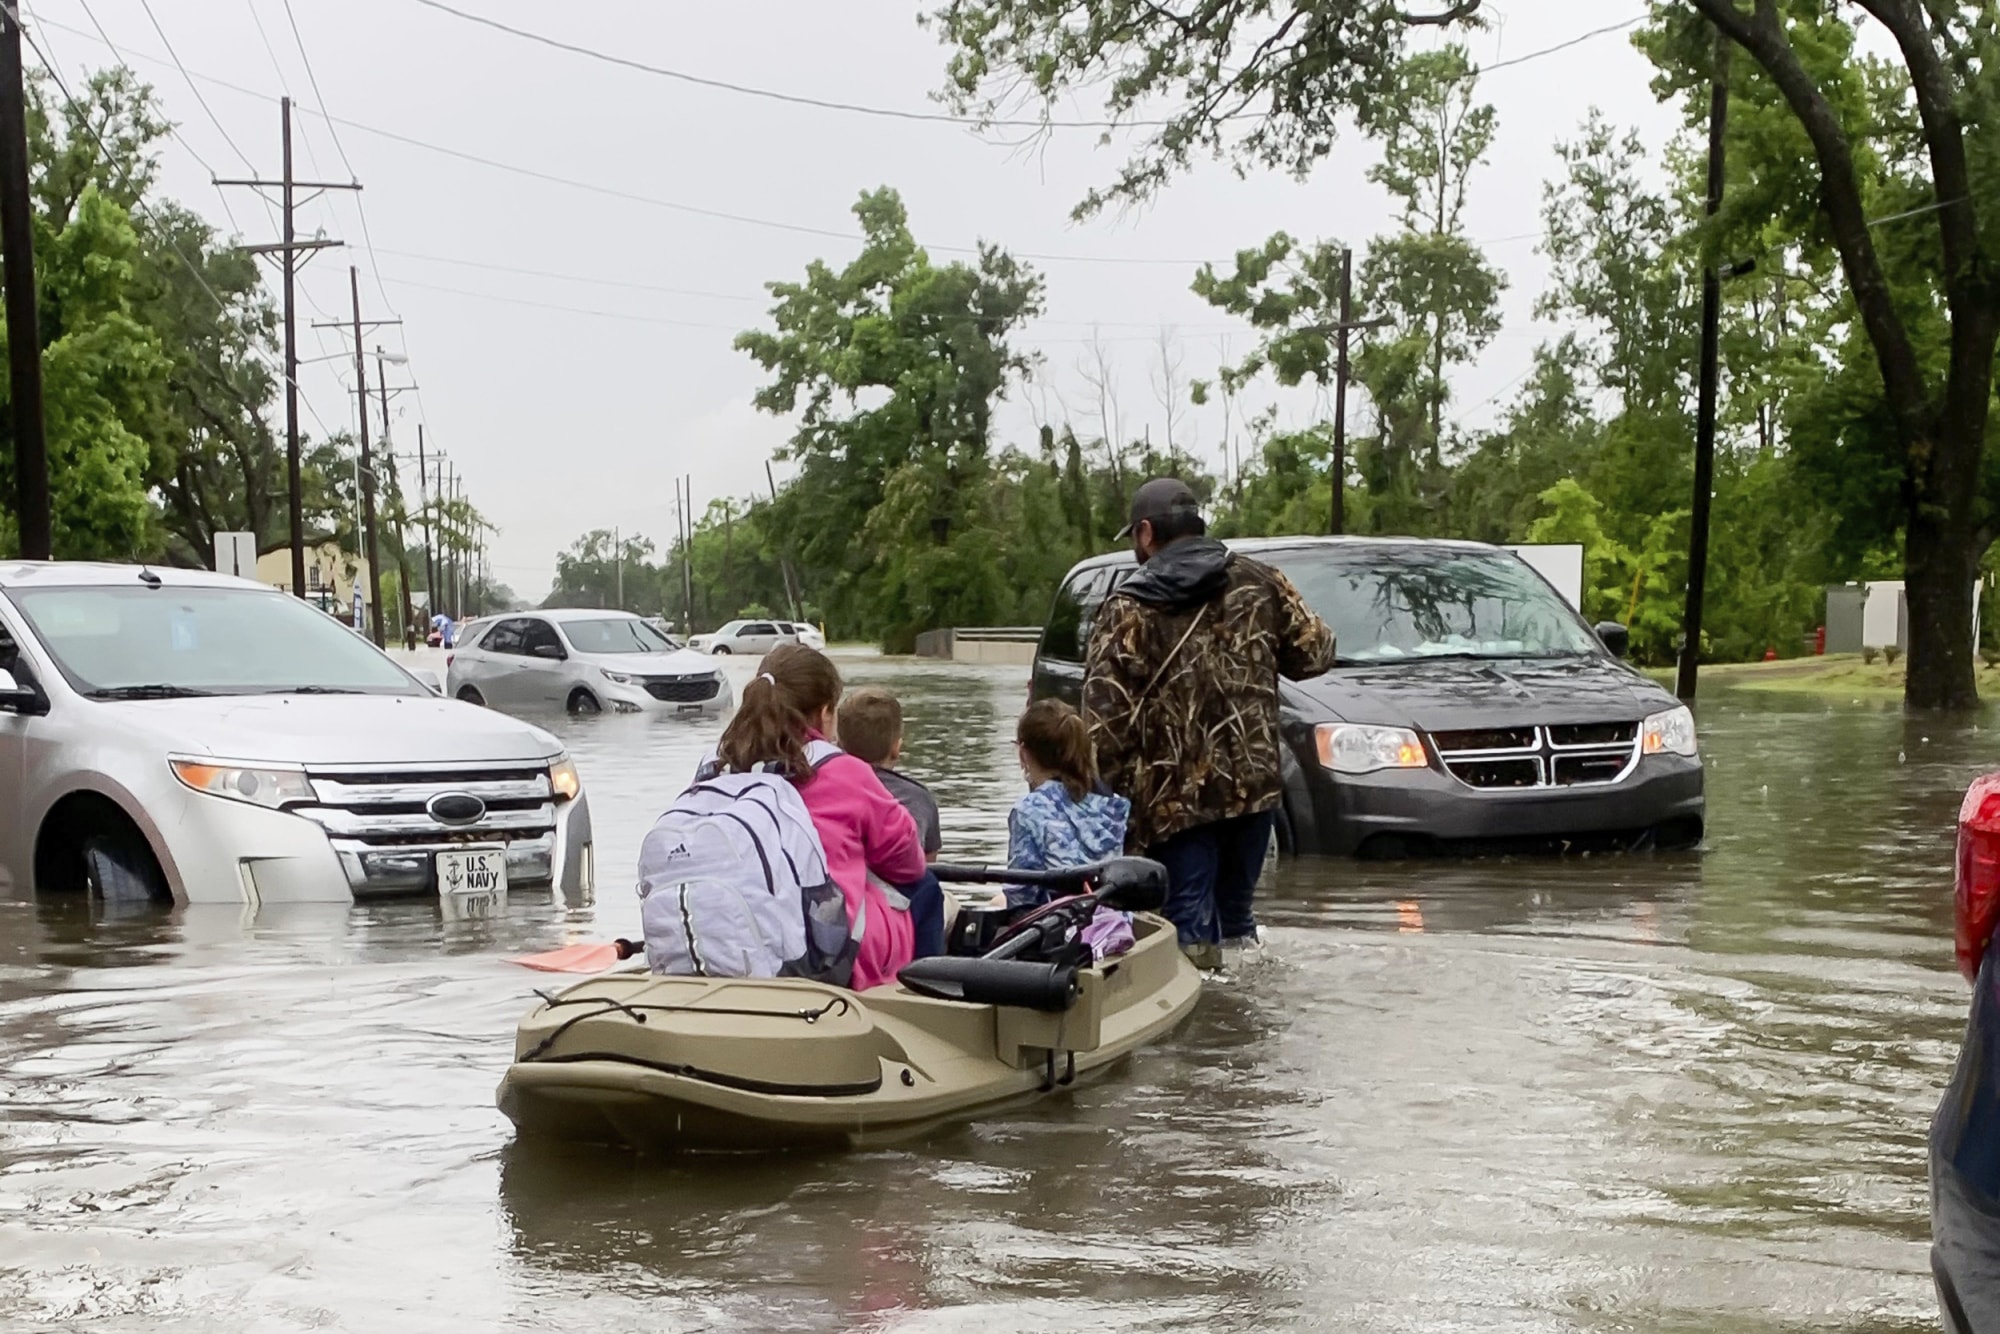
column 1068, row 817
column 775, row 761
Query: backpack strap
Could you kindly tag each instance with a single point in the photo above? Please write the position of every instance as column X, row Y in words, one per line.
column 819, row 751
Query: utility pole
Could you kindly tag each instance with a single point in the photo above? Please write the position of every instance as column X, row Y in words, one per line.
column 366, row 470
column 618, row 552
column 367, row 464
column 35, row 523
column 401, row 512
column 288, row 251
column 784, row 561
column 464, row 548
column 424, row 508
column 1337, row 511
column 686, row 486
column 1704, row 425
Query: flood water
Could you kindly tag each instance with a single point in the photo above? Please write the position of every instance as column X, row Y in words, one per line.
column 1640, row 1093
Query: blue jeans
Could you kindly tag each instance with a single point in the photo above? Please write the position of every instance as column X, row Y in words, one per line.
column 1212, row 874
column 926, row 898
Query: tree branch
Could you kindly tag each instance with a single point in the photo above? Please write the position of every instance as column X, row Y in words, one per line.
column 1464, row 9
column 1764, row 39
column 1944, row 136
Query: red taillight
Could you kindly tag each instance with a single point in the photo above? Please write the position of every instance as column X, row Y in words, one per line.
column 448, row 657
column 1977, row 890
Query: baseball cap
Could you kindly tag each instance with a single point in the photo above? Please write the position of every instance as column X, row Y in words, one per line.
column 1161, row 498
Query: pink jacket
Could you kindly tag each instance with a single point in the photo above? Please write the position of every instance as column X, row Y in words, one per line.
column 865, row 829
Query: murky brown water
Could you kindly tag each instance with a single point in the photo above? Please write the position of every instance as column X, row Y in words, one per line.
column 1644, row 1093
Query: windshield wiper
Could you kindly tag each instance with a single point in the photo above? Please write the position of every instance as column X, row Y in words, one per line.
column 314, row 690
column 147, row 692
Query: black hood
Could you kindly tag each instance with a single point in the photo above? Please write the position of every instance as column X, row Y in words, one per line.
column 1452, row 693
column 1182, row 574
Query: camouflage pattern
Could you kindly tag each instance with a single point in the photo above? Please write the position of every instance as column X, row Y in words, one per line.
column 1190, row 734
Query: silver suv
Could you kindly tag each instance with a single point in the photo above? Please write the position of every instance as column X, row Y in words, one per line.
column 585, row 662
column 174, row 734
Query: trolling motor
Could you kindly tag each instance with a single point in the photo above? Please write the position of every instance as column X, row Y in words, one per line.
column 1032, row 960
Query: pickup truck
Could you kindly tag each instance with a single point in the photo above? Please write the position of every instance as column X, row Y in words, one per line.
column 183, row 736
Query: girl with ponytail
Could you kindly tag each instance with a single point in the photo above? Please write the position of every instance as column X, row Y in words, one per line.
column 1068, row 817
column 871, row 842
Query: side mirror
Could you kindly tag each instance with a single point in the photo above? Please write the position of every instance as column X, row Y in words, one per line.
column 429, row 679
column 16, row 697
column 1614, row 637
column 551, row 651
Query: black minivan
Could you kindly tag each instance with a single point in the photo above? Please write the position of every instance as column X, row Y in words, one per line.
column 1470, row 709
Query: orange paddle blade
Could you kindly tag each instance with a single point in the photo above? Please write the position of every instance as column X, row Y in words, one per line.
column 585, row 958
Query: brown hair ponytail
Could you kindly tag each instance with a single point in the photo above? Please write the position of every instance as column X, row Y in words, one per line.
column 792, row 686
column 1056, row 738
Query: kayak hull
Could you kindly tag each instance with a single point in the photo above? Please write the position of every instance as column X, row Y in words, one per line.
column 678, row 1063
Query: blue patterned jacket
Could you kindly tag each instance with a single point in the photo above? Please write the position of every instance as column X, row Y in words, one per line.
column 1047, row 831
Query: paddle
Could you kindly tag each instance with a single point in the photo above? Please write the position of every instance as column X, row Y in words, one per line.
column 589, row 957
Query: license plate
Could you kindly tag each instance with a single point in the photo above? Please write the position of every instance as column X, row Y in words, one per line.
column 687, row 708
column 472, row 871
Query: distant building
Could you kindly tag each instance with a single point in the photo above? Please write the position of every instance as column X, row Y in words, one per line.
column 332, row 574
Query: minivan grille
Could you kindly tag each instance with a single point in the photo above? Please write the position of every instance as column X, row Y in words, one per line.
column 1556, row 755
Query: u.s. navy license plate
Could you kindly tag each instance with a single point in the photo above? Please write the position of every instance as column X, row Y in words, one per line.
column 472, row 871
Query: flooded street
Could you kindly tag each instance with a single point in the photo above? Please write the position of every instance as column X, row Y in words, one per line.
column 1642, row 1093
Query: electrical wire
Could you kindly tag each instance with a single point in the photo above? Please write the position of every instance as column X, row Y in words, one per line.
column 719, row 215
column 899, row 113
column 360, row 207
column 76, row 111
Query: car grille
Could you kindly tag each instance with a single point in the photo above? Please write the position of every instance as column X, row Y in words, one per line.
column 683, row 689
column 379, row 823
column 1557, row 755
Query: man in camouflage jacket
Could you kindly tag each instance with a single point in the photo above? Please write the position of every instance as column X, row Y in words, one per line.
column 1181, row 693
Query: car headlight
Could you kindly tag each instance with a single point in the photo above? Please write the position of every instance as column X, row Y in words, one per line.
column 1669, row 732
column 1355, row 748
column 563, row 780
column 616, row 678
column 275, row 788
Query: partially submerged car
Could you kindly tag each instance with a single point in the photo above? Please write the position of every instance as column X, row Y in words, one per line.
column 584, row 662
column 755, row 637
column 1471, row 707
column 186, row 736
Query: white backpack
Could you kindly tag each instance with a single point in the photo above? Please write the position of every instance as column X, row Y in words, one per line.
column 733, row 882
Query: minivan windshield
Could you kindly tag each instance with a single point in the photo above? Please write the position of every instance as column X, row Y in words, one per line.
column 615, row 634
column 1406, row 603
column 160, row 642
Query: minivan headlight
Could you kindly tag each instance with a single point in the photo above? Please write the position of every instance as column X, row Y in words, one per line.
column 275, row 788
column 563, row 780
column 1669, row 732
column 1356, row 748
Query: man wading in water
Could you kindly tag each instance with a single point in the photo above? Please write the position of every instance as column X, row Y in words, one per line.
column 1180, row 690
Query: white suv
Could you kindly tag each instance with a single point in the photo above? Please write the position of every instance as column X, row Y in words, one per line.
column 185, row 735
column 746, row 637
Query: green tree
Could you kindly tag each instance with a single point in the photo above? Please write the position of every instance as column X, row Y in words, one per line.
column 893, row 365
column 1911, row 139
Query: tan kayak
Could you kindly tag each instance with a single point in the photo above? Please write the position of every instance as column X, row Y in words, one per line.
column 761, row 1064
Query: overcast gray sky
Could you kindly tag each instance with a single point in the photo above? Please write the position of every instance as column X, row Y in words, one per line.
column 568, row 419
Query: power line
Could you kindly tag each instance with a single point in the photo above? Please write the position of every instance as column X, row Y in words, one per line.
column 1577, row 40
column 166, row 236
column 176, row 58
column 899, row 113
column 719, row 215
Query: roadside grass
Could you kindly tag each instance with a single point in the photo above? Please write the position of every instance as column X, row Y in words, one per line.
column 1835, row 676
